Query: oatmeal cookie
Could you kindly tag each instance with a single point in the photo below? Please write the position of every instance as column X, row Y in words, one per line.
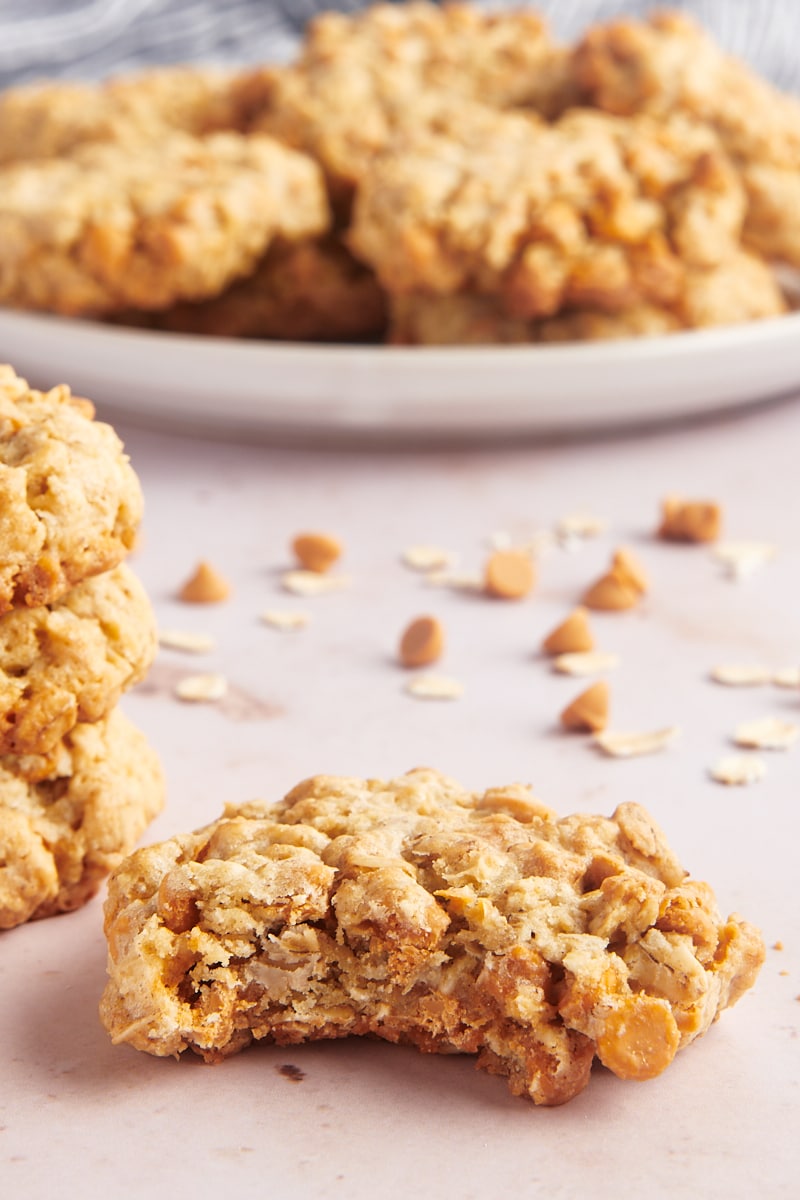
column 668, row 64
column 359, row 77
column 594, row 212
column 70, row 502
column 300, row 291
column 64, row 829
column 418, row 912
column 71, row 661
column 110, row 228
column 742, row 288
column 52, row 119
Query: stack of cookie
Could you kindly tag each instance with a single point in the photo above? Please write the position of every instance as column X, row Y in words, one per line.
column 78, row 783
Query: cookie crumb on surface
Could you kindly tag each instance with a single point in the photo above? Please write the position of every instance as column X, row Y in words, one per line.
column 422, row 642
column 767, row 733
column 435, row 687
column 199, row 688
column 186, row 640
column 317, row 551
column 635, row 745
column 285, row 619
column 205, row 586
column 738, row 770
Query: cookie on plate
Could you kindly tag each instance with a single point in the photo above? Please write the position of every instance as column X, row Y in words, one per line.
column 311, row 291
column 111, row 228
column 419, row 912
column 70, row 502
column 71, row 661
column 359, row 77
column 64, row 826
column 51, row 119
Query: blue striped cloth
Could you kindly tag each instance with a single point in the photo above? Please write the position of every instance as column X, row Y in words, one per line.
column 93, row 38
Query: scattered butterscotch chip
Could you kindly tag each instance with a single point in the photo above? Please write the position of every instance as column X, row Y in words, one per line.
column 742, row 559
column 509, row 575
column 184, row 639
column 588, row 662
column 572, row 636
column 198, row 688
column 634, row 745
column 428, row 558
column 738, row 770
column 741, row 675
column 609, row 593
column 435, row 687
column 312, row 583
column 422, row 642
column 777, row 945
column 768, row 733
column 627, row 568
column 689, row 520
column 317, row 551
column 285, row 619
column 205, row 586
column 588, row 711
column 787, row 677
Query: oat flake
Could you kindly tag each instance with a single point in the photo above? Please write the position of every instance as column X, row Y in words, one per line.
column 435, row 687
column 768, row 733
column 312, row 583
column 199, row 688
column 741, row 675
column 184, row 639
column 634, row 745
column 585, row 662
column 285, row 619
column 736, row 770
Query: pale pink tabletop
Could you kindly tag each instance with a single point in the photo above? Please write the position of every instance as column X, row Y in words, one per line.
column 361, row 1120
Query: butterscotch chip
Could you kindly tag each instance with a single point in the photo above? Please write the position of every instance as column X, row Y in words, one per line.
column 422, row 642
column 419, row 912
column 572, row 636
column 509, row 575
column 627, row 568
column 317, row 551
column 611, row 594
column 689, row 520
column 205, row 586
column 589, row 710
column 68, row 818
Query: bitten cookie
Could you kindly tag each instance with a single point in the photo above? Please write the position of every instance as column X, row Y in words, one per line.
column 71, row 661
column 61, row 833
column 70, row 502
column 419, row 912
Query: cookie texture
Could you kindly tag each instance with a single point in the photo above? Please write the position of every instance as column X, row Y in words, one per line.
column 360, row 77
column 668, row 64
column 71, row 661
column 51, row 119
column 70, row 502
column 310, row 290
column 593, row 212
column 421, row 913
column 66, row 823
column 109, row 228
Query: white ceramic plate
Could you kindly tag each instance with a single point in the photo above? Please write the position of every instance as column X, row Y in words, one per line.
column 225, row 386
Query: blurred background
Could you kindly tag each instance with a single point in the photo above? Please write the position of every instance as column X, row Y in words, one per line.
column 92, row 38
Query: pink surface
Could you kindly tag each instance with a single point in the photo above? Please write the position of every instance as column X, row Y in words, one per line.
column 79, row 1116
